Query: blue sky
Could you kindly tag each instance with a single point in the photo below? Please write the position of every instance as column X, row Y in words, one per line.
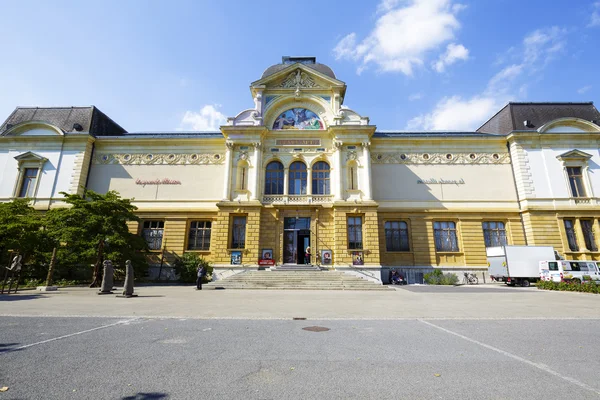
column 408, row 64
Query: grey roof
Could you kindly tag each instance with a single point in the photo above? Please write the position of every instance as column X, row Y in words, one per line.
column 90, row 118
column 512, row 116
column 177, row 134
column 322, row 68
column 398, row 134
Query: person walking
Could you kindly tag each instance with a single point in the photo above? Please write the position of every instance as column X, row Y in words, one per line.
column 201, row 272
column 307, row 255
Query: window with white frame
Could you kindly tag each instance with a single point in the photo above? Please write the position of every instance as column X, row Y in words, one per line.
column 28, row 182
column 320, row 178
column 445, row 236
column 494, row 233
column 199, row 235
column 274, row 178
column 153, row 232
column 576, row 182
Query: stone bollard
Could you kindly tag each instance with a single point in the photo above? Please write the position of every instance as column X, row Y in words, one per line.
column 107, row 278
column 128, row 287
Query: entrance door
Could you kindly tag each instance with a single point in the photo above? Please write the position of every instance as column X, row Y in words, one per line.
column 296, row 238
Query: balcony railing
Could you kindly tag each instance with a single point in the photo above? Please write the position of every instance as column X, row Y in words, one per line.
column 297, row 199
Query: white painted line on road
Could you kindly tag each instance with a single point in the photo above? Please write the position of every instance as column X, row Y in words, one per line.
column 540, row 366
column 74, row 334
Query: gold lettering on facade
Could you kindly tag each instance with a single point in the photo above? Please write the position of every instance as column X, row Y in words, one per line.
column 298, row 142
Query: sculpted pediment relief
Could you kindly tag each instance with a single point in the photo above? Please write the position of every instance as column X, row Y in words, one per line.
column 298, row 79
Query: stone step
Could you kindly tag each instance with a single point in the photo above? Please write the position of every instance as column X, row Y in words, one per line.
column 296, row 280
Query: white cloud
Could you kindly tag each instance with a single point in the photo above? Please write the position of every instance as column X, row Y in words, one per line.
column 456, row 112
column 595, row 17
column 404, row 34
column 208, row 119
column 415, row 96
column 454, row 52
column 584, row 89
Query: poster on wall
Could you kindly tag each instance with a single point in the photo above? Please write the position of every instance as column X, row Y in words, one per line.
column 236, row 257
column 357, row 258
column 266, row 257
column 326, row 257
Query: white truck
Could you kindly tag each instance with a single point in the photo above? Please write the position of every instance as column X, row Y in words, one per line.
column 517, row 265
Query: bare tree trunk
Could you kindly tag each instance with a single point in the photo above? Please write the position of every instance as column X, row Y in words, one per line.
column 51, row 268
column 97, row 267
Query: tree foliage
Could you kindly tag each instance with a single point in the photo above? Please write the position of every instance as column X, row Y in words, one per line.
column 187, row 267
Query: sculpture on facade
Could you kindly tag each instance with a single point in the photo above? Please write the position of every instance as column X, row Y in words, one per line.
column 16, row 265
column 128, row 287
column 107, row 278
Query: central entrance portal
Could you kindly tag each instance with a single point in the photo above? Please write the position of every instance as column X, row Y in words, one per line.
column 296, row 238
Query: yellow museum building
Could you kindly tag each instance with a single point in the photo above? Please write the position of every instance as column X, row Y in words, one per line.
column 299, row 169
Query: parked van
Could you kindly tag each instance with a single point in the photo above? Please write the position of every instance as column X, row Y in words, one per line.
column 565, row 270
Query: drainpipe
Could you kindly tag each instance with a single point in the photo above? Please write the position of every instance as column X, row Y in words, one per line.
column 512, row 169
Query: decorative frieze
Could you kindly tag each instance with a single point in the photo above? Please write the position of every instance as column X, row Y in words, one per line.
column 298, row 79
column 158, row 159
column 440, row 158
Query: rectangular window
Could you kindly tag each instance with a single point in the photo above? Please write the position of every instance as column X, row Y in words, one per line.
column 494, row 234
column 396, row 236
column 445, row 236
column 28, row 182
column 571, row 238
column 576, row 181
column 153, row 234
column 199, row 236
column 587, row 227
column 238, row 233
column 355, row 233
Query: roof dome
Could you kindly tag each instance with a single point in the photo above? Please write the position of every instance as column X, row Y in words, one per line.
column 310, row 62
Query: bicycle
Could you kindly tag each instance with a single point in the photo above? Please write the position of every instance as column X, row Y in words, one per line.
column 470, row 278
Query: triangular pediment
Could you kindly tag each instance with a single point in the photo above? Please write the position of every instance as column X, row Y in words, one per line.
column 298, row 76
column 30, row 156
column 574, row 155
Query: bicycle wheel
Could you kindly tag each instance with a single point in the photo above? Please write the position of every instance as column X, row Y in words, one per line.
column 474, row 280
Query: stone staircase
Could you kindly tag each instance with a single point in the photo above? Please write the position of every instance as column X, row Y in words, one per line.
column 295, row 280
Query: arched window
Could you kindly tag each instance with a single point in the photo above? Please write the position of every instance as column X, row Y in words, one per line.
column 298, row 175
column 274, row 178
column 320, row 178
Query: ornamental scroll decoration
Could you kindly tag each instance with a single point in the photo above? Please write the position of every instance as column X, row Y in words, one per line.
column 159, row 159
column 298, row 79
column 440, row 158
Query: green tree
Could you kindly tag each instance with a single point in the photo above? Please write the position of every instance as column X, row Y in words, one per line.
column 21, row 230
column 95, row 228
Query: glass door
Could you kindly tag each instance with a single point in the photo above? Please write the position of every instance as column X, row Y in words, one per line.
column 290, row 255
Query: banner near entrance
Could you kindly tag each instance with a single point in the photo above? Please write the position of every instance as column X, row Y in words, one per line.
column 357, row 258
column 236, row 257
column 326, row 257
column 266, row 257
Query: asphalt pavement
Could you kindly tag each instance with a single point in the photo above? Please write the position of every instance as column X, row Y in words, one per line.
column 413, row 343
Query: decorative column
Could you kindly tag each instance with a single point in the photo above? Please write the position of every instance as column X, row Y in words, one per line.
column 227, row 187
column 255, row 163
column 286, row 181
column 308, row 181
column 367, row 171
column 337, row 171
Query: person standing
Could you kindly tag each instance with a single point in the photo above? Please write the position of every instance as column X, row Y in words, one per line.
column 201, row 272
column 307, row 255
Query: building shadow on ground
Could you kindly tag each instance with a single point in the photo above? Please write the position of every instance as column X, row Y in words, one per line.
column 16, row 297
column 6, row 347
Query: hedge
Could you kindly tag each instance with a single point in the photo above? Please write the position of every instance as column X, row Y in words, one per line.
column 587, row 287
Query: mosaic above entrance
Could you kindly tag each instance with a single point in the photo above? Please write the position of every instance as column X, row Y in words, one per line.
column 298, row 119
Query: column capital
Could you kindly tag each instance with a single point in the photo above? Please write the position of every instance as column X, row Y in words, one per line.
column 337, row 144
column 229, row 145
column 366, row 144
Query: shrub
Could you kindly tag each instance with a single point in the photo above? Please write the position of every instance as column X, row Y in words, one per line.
column 437, row 277
column 187, row 268
column 587, row 287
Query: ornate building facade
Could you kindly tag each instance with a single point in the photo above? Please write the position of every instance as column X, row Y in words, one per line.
column 300, row 170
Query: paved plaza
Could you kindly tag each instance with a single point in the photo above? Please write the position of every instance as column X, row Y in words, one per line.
column 173, row 342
